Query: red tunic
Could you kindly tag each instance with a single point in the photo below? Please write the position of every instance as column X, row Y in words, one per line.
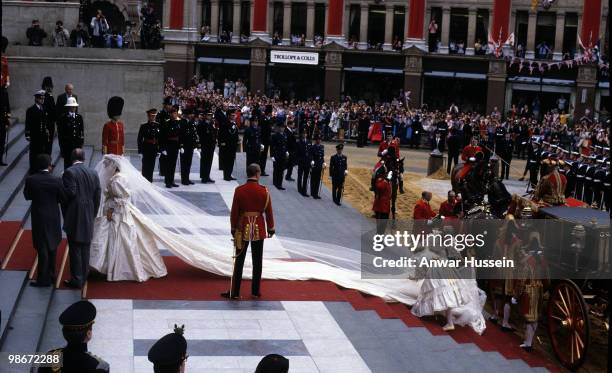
column 423, row 211
column 247, row 211
column 446, row 209
column 113, row 138
column 392, row 146
column 4, row 78
column 470, row 151
column 382, row 199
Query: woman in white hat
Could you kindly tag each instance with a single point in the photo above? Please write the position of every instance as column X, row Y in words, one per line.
column 70, row 130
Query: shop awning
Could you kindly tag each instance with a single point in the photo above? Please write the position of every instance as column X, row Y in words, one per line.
column 380, row 70
column 227, row 61
column 457, row 75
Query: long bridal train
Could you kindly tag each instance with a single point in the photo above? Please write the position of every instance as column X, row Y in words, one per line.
column 147, row 219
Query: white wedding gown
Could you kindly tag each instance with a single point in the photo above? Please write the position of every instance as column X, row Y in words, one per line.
column 120, row 248
column 160, row 220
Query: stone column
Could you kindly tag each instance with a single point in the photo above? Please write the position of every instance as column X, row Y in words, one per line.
column 413, row 77
column 586, row 84
column 333, row 75
column 363, row 26
column 335, row 17
column 214, row 20
column 531, row 34
column 287, row 23
column 560, row 25
column 236, row 22
column 445, row 30
column 310, row 21
column 471, row 34
column 258, row 68
column 388, row 27
column 496, row 85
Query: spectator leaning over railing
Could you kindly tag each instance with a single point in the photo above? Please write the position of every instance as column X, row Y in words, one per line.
column 60, row 36
column 79, row 37
column 100, row 28
column 35, row 34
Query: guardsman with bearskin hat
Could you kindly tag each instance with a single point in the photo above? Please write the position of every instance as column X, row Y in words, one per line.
column 77, row 322
column 113, row 133
column 148, row 144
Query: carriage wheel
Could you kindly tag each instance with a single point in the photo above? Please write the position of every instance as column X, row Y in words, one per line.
column 568, row 324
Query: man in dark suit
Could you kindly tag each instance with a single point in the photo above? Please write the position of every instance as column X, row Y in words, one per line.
column 453, row 142
column 63, row 99
column 49, row 107
column 70, row 131
column 82, row 188
column 46, row 193
column 37, row 128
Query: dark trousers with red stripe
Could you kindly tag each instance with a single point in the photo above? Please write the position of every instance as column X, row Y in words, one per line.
column 257, row 257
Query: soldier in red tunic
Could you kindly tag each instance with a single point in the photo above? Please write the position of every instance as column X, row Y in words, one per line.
column 251, row 202
column 422, row 208
column 382, row 199
column 113, row 134
column 390, row 144
column 471, row 150
column 550, row 190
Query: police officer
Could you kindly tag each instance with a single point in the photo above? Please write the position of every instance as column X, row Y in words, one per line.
column 303, row 158
column 70, row 131
column 266, row 134
column 279, row 154
column 169, row 353
column 162, row 118
column 148, row 144
column 207, row 133
column 317, row 164
column 169, row 140
column 291, row 148
column 37, row 128
column 252, row 142
column 190, row 143
column 338, row 169
column 77, row 321
column 228, row 141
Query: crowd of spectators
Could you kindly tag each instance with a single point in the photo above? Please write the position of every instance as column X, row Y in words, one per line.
column 413, row 126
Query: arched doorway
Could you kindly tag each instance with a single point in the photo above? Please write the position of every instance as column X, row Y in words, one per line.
column 115, row 17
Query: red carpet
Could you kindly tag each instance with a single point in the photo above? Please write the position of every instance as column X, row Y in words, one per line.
column 187, row 283
column 8, row 231
column 24, row 255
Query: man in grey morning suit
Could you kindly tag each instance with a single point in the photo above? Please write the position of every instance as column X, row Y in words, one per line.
column 82, row 187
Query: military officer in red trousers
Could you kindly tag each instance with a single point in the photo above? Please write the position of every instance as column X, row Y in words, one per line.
column 251, row 202
column 382, row 199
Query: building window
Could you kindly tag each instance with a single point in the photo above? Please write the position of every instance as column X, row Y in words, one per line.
column 319, row 25
column 434, row 29
column 399, row 17
column 376, row 26
column 570, row 35
column 354, row 25
column 205, row 26
column 458, row 30
column 245, row 21
column 545, row 34
column 226, row 18
column 298, row 24
column 520, row 31
column 277, row 23
column 482, row 31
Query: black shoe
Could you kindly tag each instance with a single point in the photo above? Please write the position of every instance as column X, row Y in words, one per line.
column 316, row 197
column 3, row 164
column 227, row 179
column 168, row 186
column 185, row 183
column 72, row 284
column 227, row 295
column 174, row 185
column 37, row 284
column 264, row 174
column 256, row 296
column 289, row 179
column 280, row 188
column 210, row 181
column 306, row 194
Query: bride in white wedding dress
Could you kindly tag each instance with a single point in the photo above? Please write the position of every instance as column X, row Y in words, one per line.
column 147, row 219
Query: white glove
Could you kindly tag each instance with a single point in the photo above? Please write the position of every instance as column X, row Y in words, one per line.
column 324, row 165
column 165, row 152
column 181, row 150
column 197, row 153
column 346, row 172
column 287, row 154
column 140, row 155
column 273, row 160
column 157, row 155
column 429, row 222
column 384, row 152
column 261, row 147
column 513, row 300
column 311, row 163
column 389, row 175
